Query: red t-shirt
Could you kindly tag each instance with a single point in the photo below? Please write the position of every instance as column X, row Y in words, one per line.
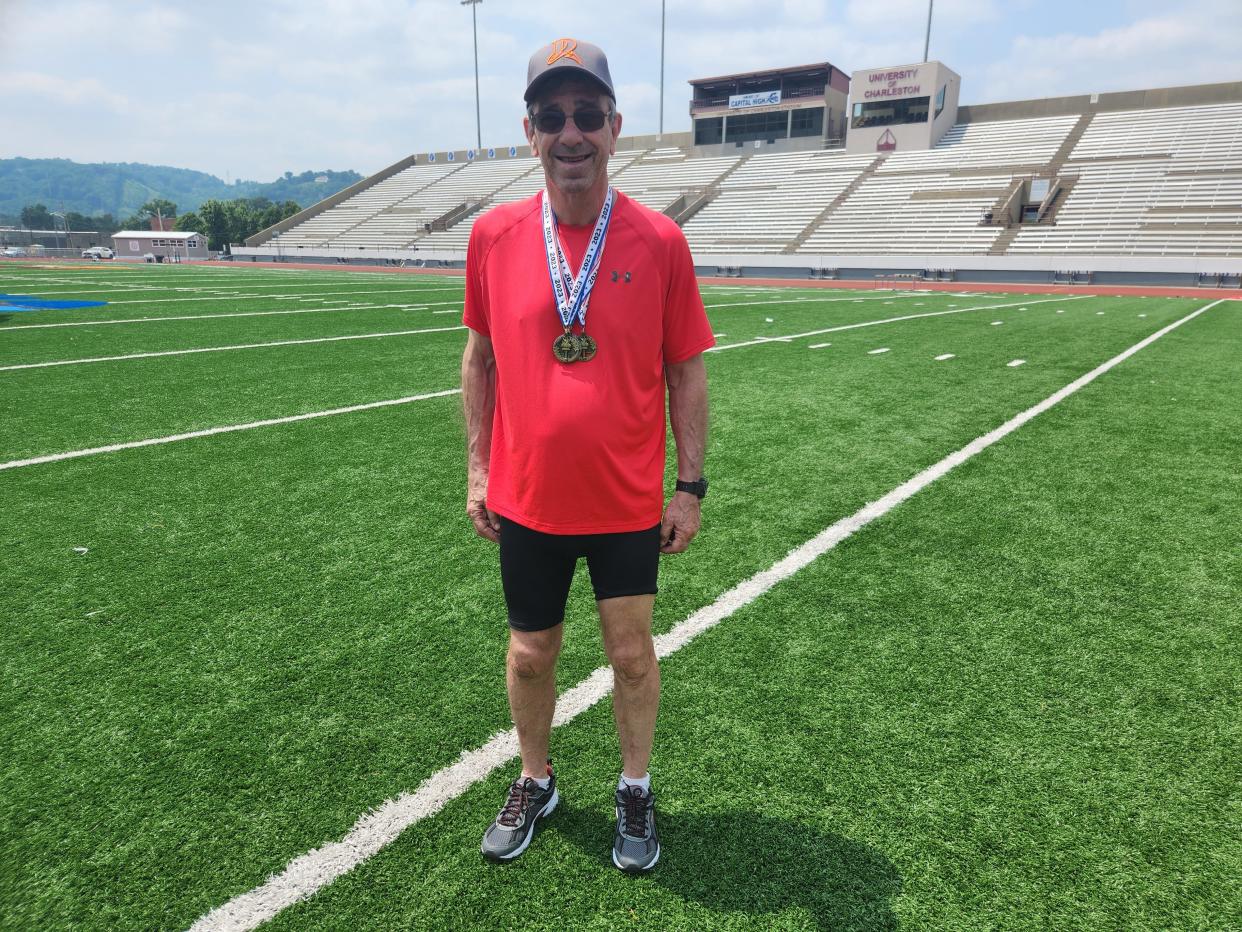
column 578, row 448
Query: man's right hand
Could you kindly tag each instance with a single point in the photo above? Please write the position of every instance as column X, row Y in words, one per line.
column 486, row 522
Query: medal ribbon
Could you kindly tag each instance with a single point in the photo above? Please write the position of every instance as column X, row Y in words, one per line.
column 572, row 299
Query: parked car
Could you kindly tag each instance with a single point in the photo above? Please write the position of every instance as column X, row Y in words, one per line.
column 13, row 252
column 98, row 252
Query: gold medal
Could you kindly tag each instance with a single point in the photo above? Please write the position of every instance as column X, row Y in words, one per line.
column 566, row 348
column 587, row 348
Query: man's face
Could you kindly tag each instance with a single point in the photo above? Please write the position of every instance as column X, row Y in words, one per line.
column 574, row 161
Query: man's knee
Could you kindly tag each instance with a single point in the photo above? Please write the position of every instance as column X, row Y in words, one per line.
column 633, row 661
column 532, row 658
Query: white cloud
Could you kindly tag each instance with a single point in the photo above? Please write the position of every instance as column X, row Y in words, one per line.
column 910, row 16
column 1161, row 51
column 79, row 92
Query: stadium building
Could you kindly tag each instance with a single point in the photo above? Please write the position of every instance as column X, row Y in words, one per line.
column 767, row 107
column 160, row 245
column 799, row 172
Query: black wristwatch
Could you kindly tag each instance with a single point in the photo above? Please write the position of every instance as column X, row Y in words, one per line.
column 697, row 488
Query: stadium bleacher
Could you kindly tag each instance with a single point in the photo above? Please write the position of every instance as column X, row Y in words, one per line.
column 356, row 211
column 1162, row 181
column 1151, row 182
column 770, row 199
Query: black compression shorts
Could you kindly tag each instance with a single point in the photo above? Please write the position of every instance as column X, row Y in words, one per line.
column 537, row 569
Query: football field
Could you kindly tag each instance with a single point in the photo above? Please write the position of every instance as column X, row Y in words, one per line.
column 957, row 646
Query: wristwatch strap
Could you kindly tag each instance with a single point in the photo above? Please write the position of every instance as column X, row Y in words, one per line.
column 697, row 488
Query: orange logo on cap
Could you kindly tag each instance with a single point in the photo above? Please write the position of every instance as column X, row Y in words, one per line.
column 564, row 48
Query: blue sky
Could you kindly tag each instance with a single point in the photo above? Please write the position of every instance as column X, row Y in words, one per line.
column 253, row 89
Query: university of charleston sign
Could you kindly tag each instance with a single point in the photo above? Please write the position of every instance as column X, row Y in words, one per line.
column 883, row 85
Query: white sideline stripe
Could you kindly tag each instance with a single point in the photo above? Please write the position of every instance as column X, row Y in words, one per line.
column 146, row 320
column 874, row 323
column 818, row 345
column 212, row 431
column 943, row 356
column 1015, row 363
column 213, row 289
column 305, row 875
column 323, row 294
column 876, row 352
column 225, row 349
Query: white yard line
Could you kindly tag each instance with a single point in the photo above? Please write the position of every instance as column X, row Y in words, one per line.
column 763, row 302
column 299, row 310
column 943, row 356
column 225, row 349
column 875, row 323
column 818, row 345
column 305, row 875
column 877, row 352
column 1015, row 363
column 232, row 428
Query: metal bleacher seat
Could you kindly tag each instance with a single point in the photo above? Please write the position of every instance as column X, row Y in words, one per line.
column 930, row 201
column 1164, row 181
column 661, row 176
column 362, row 207
column 771, row 198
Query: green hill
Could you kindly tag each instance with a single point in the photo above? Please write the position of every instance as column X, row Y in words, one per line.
column 120, row 188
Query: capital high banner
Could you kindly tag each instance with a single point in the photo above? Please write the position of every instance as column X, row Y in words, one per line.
column 764, row 99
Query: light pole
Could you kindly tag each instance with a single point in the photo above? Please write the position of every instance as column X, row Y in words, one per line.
column 54, row 214
column 474, row 19
column 927, row 39
column 661, row 135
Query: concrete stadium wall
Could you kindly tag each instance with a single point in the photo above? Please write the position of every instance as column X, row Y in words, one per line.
column 1190, row 96
column 1179, row 270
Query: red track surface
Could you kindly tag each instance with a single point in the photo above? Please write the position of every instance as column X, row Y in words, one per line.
column 1141, row 291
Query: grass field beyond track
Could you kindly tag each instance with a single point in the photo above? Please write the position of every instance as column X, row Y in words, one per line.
column 1011, row 702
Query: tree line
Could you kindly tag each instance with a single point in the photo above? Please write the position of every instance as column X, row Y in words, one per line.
column 120, row 189
column 222, row 222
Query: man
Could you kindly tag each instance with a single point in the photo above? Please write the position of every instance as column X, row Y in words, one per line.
column 566, row 430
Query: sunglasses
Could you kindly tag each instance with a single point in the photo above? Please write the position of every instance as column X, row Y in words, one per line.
column 553, row 121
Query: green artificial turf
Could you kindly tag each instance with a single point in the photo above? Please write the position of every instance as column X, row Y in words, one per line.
column 273, row 631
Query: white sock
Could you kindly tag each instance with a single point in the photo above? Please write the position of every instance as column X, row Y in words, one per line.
column 643, row 782
column 542, row 784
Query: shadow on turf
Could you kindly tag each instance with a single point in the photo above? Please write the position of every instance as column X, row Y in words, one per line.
column 742, row 862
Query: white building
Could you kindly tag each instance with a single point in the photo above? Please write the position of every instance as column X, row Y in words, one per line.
column 135, row 244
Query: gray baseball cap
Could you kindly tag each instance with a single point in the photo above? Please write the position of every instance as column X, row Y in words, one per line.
column 565, row 57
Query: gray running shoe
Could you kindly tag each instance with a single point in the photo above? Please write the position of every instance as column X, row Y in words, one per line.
column 514, row 827
column 636, row 847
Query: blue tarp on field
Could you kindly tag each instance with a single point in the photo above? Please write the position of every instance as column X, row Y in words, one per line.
column 25, row 302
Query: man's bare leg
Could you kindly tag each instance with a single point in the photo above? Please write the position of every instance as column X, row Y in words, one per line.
column 531, row 678
column 626, row 625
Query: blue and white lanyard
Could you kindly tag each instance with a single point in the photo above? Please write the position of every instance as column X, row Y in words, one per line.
column 572, row 299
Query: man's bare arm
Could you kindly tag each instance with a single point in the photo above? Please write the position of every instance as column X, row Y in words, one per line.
column 478, row 392
column 687, row 407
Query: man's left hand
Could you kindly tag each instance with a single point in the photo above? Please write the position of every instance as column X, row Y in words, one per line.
column 680, row 523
